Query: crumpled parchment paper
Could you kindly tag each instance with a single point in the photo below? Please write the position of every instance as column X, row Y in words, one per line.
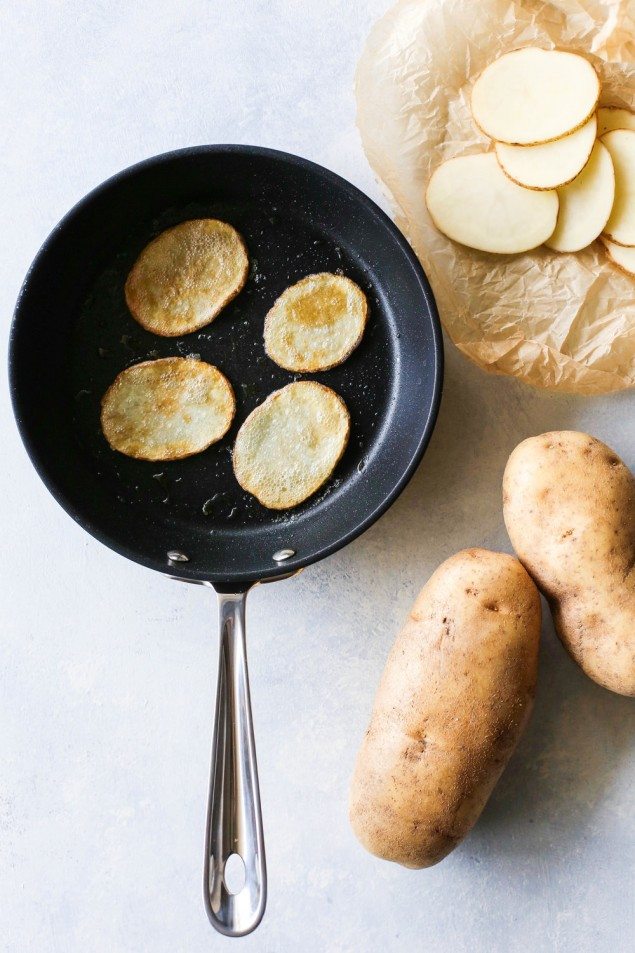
column 560, row 321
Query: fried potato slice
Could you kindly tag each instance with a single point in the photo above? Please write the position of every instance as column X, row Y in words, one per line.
column 585, row 204
column 548, row 165
column 316, row 323
column 472, row 201
column 623, row 257
column 533, row 95
column 186, row 275
column 614, row 117
column 167, row 409
column 620, row 227
column 290, row 444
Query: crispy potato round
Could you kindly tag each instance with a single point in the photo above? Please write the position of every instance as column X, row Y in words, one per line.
column 186, row 275
column 167, row 409
column 316, row 323
column 456, row 693
column 291, row 443
column 532, row 95
column 569, row 508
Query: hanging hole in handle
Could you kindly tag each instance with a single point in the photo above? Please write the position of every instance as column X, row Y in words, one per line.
column 234, row 874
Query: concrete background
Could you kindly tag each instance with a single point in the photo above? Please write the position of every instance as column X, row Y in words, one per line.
column 107, row 671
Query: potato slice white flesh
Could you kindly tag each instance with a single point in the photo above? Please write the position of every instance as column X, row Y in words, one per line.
column 585, row 204
column 614, row 117
column 167, row 409
column 623, row 257
column 183, row 278
column 620, row 227
column 316, row 323
column 472, row 201
column 548, row 165
column 291, row 443
column 533, row 95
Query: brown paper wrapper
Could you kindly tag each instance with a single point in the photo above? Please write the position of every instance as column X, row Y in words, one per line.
column 560, row 321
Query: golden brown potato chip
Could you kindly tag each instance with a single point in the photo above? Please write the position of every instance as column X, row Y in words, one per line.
column 291, row 443
column 167, row 409
column 316, row 323
column 186, row 275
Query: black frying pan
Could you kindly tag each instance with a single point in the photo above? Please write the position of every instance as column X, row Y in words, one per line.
column 72, row 334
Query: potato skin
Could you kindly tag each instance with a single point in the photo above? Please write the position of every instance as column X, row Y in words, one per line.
column 569, row 508
column 455, row 695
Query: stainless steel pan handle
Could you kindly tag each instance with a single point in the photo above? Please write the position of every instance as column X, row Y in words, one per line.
column 234, row 821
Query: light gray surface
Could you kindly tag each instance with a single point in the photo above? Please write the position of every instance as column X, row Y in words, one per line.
column 107, row 670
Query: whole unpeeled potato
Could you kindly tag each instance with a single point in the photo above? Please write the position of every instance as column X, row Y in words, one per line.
column 569, row 508
column 454, row 698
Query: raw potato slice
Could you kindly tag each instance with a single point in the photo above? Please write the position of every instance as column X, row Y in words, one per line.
column 550, row 164
column 533, row 95
column 167, row 409
column 183, row 278
column 585, row 204
column 620, row 227
column 623, row 257
column 291, row 443
column 316, row 323
column 613, row 117
column 472, row 201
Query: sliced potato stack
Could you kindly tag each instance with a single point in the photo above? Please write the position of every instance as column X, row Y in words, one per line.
column 561, row 173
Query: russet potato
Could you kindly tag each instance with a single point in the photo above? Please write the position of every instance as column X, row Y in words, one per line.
column 455, row 695
column 569, row 508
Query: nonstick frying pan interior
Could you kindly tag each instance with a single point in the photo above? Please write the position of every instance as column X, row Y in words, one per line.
column 73, row 333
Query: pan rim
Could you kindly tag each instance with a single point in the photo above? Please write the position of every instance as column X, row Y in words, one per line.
column 190, row 572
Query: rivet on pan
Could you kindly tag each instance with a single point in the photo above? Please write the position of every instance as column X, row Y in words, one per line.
column 174, row 556
column 283, row 554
